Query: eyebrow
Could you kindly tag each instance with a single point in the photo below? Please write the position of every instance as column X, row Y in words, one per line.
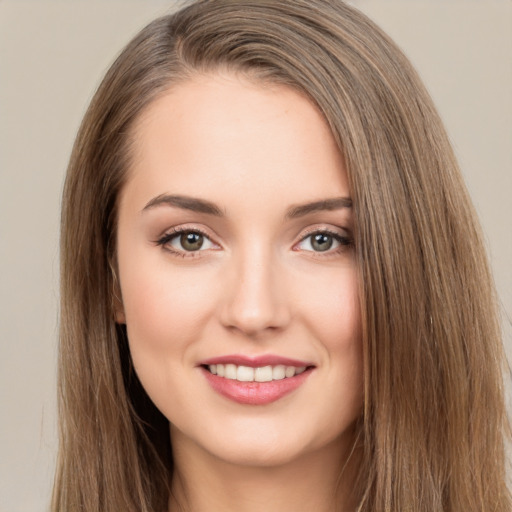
column 185, row 203
column 335, row 203
column 203, row 206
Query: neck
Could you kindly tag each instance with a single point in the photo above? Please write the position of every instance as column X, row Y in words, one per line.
column 321, row 481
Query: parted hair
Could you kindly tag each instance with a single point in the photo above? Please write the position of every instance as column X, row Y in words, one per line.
column 434, row 427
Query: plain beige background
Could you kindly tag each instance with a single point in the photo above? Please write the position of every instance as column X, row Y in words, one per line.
column 52, row 55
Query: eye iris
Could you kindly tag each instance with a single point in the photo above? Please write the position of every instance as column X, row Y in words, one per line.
column 321, row 242
column 191, row 241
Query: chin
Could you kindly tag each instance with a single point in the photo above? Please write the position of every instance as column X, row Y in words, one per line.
column 264, row 455
column 266, row 446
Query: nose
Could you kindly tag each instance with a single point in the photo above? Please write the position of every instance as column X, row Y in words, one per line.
column 255, row 299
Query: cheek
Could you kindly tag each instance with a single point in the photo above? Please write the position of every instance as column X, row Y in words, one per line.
column 161, row 305
column 334, row 316
column 333, row 312
column 165, row 311
column 165, row 315
column 344, row 339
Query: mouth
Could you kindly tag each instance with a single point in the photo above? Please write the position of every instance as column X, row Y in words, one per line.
column 258, row 374
column 257, row 381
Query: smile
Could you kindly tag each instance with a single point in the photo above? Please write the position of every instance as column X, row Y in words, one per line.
column 258, row 374
column 255, row 381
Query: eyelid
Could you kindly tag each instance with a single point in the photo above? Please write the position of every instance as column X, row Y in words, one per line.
column 344, row 240
column 171, row 233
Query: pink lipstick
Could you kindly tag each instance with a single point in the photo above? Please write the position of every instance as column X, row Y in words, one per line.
column 255, row 380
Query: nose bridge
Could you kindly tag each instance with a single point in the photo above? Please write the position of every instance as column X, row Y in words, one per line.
column 256, row 299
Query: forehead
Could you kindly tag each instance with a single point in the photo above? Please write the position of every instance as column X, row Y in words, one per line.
column 219, row 133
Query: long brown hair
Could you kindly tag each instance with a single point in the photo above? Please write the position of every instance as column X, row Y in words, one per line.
column 434, row 422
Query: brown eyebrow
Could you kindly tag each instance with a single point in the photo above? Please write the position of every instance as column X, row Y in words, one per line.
column 186, row 203
column 335, row 203
column 203, row 206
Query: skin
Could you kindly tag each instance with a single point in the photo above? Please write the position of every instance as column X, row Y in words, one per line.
column 257, row 286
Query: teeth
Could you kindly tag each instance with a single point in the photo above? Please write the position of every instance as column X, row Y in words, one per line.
column 289, row 371
column 259, row 374
column 278, row 372
column 263, row 374
column 245, row 374
column 230, row 371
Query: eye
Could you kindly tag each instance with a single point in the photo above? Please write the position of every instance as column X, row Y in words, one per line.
column 323, row 241
column 183, row 241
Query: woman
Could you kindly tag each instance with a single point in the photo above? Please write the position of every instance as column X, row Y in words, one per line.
column 274, row 291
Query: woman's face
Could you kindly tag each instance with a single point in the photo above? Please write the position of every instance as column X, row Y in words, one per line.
column 237, row 272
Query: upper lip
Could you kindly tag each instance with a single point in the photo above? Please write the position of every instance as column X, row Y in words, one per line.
column 255, row 361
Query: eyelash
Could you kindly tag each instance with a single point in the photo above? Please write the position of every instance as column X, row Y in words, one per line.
column 175, row 232
column 344, row 241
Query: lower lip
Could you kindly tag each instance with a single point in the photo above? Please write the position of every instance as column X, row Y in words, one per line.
column 255, row 393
